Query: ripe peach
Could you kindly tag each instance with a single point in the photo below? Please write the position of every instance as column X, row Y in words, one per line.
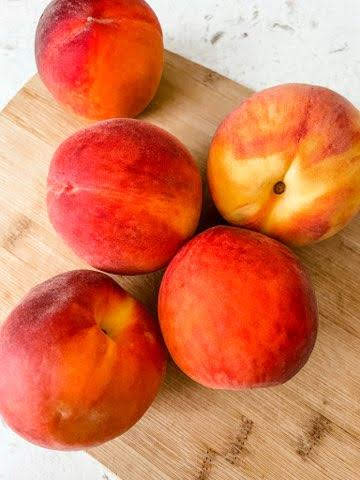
column 124, row 195
column 287, row 163
column 237, row 310
column 81, row 362
column 100, row 58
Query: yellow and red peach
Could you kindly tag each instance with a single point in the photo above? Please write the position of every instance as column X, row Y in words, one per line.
column 100, row 58
column 81, row 362
column 287, row 163
column 124, row 195
column 237, row 310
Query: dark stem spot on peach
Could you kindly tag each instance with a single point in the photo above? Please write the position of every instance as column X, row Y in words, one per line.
column 104, row 331
column 279, row 188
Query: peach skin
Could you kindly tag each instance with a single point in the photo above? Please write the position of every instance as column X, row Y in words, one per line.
column 287, row 163
column 237, row 310
column 100, row 58
column 124, row 195
column 81, row 362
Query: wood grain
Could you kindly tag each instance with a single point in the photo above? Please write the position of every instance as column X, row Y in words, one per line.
column 308, row 428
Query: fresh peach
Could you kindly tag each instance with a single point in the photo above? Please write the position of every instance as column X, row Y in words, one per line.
column 100, row 58
column 237, row 310
column 124, row 195
column 81, row 362
column 287, row 163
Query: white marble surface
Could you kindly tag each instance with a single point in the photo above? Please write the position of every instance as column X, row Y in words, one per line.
column 258, row 43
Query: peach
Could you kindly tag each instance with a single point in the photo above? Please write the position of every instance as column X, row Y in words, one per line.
column 287, row 163
column 81, row 362
column 237, row 310
column 124, row 195
column 100, row 58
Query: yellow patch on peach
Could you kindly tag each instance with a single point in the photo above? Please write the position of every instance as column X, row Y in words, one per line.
column 114, row 317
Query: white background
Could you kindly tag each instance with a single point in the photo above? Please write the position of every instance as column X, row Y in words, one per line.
column 256, row 42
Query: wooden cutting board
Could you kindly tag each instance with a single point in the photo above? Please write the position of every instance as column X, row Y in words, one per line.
column 308, row 428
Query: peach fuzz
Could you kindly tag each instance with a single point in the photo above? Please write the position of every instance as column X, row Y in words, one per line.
column 124, row 195
column 237, row 310
column 287, row 163
column 81, row 362
column 100, row 58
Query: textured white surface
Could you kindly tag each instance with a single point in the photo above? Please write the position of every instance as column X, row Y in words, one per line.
column 256, row 42
column 20, row 460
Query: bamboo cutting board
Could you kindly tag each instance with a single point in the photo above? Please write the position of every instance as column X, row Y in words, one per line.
column 306, row 429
